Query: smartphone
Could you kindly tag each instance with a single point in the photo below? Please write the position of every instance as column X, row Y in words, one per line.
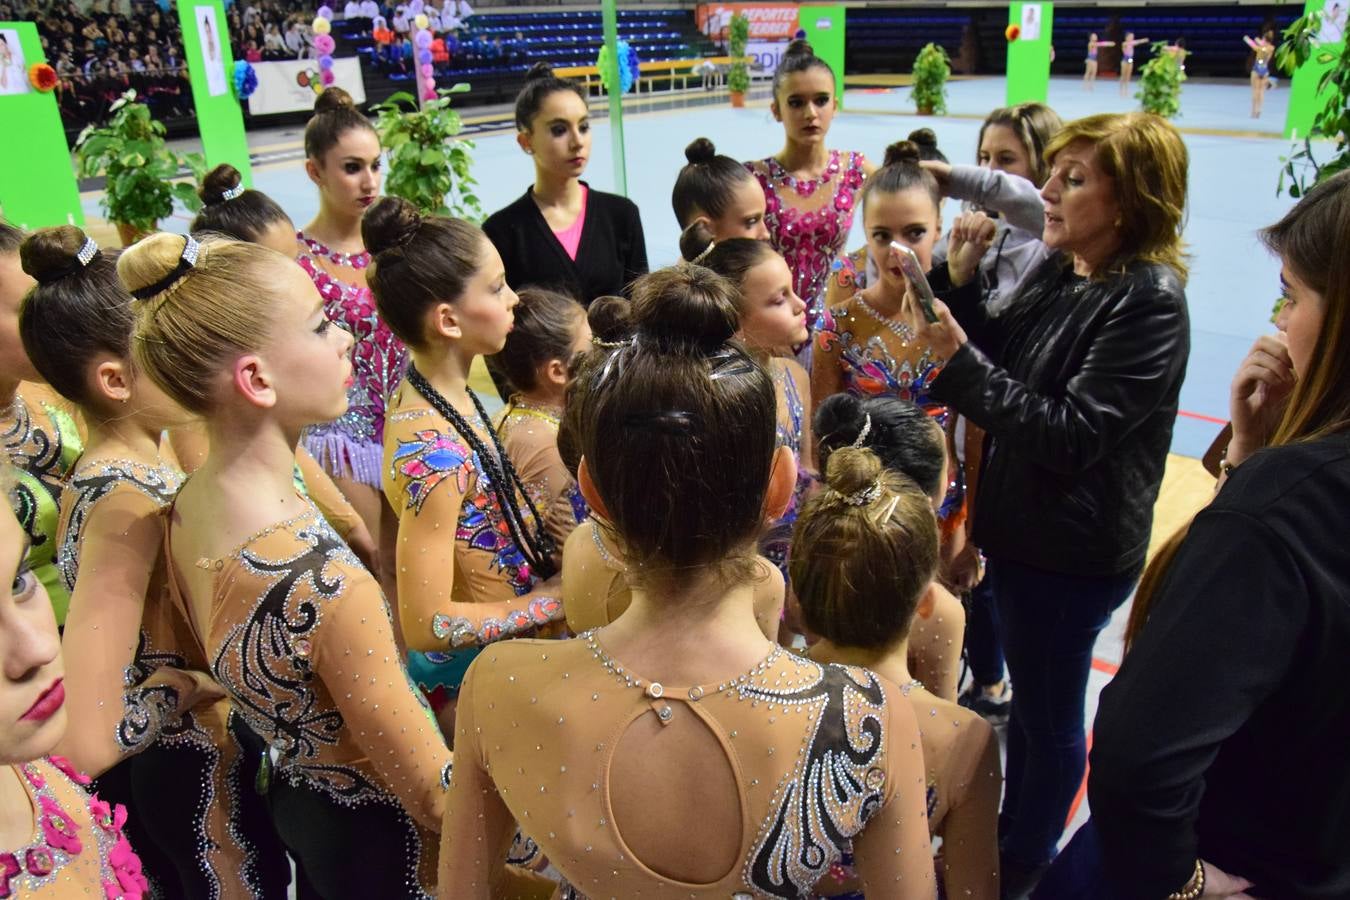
column 909, row 264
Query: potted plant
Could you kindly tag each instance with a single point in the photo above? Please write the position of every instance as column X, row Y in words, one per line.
column 1301, row 43
column 138, row 167
column 738, row 76
column 932, row 67
column 1160, row 83
column 428, row 165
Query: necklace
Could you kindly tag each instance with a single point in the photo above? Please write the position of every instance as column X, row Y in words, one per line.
column 522, row 407
column 348, row 260
column 906, row 688
column 898, row 328
column 536, row 546
column 599, row 542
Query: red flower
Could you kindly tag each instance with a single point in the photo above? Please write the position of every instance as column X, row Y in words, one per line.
column 59, row 829
column 109, row 818
column 42, row 76
column 39, row 862
column 1013, row 32
column 64, row 765
column 126, row 865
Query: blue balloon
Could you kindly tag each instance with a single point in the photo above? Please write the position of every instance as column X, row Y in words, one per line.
column 424, row 56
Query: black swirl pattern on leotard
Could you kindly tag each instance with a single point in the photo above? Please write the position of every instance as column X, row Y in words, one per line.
column 834, row 789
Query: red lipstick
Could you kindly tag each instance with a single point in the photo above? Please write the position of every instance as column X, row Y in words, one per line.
column 52, row 699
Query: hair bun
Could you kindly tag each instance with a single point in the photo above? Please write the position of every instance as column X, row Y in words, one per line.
column 838, row 420
column 222, row 178
column 538, row 71
column 852, row 469
column 700, row 152
column 611, row 319
column 695, row 239
column 685, row 307
column 902, row 152
column 924, row 138
column 150, row 260
column 50, row 254
column 332, row 99
column 799, row 47
column 390, row 223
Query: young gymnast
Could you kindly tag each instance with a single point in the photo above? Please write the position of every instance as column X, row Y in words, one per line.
column 1127, row 60
column 1263, row 48
column 296, row 630
column 1090, row 66
column 719, row 193
column 141, row 701
column 867, row 552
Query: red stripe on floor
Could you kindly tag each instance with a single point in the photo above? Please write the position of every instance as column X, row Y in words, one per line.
column 1102, row 665
column 1082, row 788
column 1202, row 417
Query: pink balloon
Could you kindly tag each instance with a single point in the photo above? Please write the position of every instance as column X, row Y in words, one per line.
column 327, row 77
column 428, row 70
column 324, row 43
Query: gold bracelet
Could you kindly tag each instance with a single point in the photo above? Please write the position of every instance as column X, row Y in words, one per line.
column 1194, row 888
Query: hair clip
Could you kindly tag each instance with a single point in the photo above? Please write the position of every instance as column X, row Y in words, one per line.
column 866, row 496
column 866, row 430
column 88, row 250
column 187, row 261
column 698, row 260
column 233, row 193
column 610, row 345
column 885, row 515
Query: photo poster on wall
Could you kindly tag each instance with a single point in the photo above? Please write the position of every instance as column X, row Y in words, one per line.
column 37, row 179
column 1031, row 22
column 220, row 121
column 1031, row 37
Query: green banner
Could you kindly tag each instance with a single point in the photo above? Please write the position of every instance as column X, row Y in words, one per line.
column 824, row 27
column 220, row 121
column 1029, row 52
column 37, row 179
column 1305, row 102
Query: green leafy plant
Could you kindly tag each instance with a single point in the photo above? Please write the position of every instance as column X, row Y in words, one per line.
column 428, row 165
column 1160, row 83
column 139, row 168
column 932, row 68
column 1301, row 170
column 738, row 37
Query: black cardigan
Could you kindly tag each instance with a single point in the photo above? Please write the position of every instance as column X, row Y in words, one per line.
column 611, row 254
column 1224, row 735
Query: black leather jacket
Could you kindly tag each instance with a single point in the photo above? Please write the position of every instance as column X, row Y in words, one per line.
column 1076, row 384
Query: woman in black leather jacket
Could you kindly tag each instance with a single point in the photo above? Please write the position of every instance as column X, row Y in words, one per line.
column 1076, row 384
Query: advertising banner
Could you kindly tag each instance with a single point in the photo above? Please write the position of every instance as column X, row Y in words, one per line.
column 291, row 85
column 767, row 23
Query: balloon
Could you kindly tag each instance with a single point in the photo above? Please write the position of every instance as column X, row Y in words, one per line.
column 428, row 94
column 321, row 26
column 325, row 62
column 421, row 22
column 325, row 12
column 324, row 43
column 428, row 70
column 422, row 39
column 416, row 6
column 424, row 56
column 327, row 77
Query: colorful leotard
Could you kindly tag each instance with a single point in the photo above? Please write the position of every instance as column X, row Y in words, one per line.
column 529, row 435
column 809, row 221
column 43, row 443
column 1262, row 68
column 353, row 445
column 78, row 848
column 777, row 541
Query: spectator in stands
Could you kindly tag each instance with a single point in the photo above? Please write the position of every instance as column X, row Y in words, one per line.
column 370, row 10
column 352, row 10
column 134, row 61
column 401, row 24
column 152, row 59
column 274, row 46
column 295, row 41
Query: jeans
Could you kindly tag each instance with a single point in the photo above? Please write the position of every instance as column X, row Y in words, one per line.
column 984, row 651
column 1049, row 624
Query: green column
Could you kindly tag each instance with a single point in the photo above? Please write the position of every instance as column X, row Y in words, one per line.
column 1305, row 102
column 220, row 121
column 37, row 180
column 824, row 27
column 1029, row 55
column 615, row 97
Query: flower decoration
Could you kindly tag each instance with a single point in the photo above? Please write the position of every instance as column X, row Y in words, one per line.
column 64, row 765
column 107, row 816
column 126, row 865
column 59, row 829
column 1012, row 32
column 42, row 77
column 245, row 79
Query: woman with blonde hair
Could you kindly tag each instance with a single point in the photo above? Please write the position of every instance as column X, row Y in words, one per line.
column 1076, row 385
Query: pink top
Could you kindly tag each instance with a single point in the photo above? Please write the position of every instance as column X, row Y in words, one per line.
column 570, row 237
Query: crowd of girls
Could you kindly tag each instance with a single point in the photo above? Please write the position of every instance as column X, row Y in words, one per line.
column 687, row 616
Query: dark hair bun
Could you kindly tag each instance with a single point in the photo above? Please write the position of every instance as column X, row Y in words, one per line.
column 924, row 139
column 538, row 71
column 222, row 178
column 902, row 152
column 700, row 152
column 389, row 224
column 695, row 239
column 799, row 47
column 852, row 469
column 685, row 307
column 50, row 254
column 332, row 99
column 839, row 420
column 611, row 319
